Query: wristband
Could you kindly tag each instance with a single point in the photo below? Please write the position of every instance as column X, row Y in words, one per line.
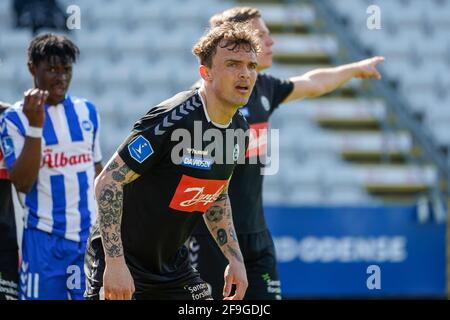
column 34, row 132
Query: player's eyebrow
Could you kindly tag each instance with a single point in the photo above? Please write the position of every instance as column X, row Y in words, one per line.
column 234, row 60
column 252, row 63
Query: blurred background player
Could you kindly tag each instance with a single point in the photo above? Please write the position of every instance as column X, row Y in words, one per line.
column 246, row 185
column 149, row 203
column 9, row 258
column 39, row 14
column 52, row 153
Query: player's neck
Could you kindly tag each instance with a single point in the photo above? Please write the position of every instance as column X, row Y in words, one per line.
column 218, row 111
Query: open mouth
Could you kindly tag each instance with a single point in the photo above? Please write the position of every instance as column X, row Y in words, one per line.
column 242, row 89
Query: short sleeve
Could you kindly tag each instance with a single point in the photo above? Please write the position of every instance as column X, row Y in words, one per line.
column 279, row 89
column 94, row 117
column 12, row 134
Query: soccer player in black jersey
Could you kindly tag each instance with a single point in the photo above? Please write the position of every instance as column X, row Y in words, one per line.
column 245, row 188
column 153, row 192
column 9, row 257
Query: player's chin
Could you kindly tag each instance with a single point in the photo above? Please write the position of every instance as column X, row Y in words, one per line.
column 58, row 92
column 53, row 96
column 241, row 101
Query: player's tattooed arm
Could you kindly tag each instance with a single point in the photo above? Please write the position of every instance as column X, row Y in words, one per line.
column 219, row 220
column 109, row 192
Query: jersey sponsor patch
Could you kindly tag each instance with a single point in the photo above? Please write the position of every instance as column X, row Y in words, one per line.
column 258, row 140
column 140, row 149
column 193, row 194
column 8, row 146
column 202, row 163
column 54, row 160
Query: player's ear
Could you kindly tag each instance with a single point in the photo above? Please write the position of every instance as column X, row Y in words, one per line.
column 31, row 68
column 205, row 73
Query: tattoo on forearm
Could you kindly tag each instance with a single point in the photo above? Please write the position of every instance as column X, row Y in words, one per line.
column 222, row 237
column 110, row 203
column 119, row 175
column 232, row 233
column 219, row 210
column 215, row 213
column 222, row 197
column 228, row 211
column 113, row 165
column 235, row 253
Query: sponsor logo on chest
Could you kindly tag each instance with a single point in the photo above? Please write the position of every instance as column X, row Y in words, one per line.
column 53, row 159
column 193, row 194
column 197, row 159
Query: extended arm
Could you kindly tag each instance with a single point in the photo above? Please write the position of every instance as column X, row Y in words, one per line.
column 321, row 81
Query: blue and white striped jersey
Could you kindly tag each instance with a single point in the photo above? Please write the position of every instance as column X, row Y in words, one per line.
column 61, row 201
column 3, row 169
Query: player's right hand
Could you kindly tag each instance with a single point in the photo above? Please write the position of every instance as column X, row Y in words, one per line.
column 33, row 106
column 117, row 281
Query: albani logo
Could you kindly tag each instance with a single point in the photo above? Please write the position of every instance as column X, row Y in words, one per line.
column 60, row 159
column 194, row 194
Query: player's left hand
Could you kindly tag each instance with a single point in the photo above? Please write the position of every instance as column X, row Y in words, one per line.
column 235, row 274
column 366, row 69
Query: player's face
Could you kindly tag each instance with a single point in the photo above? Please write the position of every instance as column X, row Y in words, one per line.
column 54, row 76
column 233, row 75
column 265, row 56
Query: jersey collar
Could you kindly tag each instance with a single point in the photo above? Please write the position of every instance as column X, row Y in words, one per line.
column 63, row 102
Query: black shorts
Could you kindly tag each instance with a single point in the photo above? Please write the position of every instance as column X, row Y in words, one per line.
column 9, row 275
column 260, row 262
column 189, row 287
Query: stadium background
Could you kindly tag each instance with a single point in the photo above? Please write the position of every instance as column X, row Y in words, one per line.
column 363, row 179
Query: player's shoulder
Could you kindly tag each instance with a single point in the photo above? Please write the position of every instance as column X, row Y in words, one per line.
column 182, row 98
column 14, row 115
column 14, row 110
column 265, row 78
column 4, row 106
column 80, row 102
column 171, row 113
